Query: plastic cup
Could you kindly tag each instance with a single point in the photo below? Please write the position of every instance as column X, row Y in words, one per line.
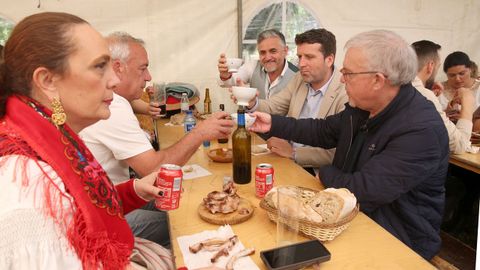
column 287, row 222
column 160, row 96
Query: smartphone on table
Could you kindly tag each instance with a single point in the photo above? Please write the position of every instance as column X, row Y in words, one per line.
column 295, row 256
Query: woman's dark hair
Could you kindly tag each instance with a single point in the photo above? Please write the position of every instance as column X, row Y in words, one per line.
column 456, row 59
column 39, row 40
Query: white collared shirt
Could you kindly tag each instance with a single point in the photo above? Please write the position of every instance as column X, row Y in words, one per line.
column 312, row 104
column 313, row 101
column 269, row 85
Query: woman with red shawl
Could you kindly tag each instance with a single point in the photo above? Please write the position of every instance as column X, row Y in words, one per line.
column 59, row 209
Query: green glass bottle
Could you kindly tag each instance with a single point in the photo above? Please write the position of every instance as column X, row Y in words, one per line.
column 242, row 159
column 223, row 140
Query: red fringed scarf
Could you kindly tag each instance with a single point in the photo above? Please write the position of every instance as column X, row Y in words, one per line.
column 98, row 231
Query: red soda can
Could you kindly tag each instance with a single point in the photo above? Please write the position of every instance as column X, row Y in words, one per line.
column 263, row 179
column 169, row 181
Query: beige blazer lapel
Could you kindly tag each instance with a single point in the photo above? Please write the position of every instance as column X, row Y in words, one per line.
column 300, row 100
column 330, row 96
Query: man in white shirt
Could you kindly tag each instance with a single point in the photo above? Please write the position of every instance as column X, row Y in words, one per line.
column 270, row 74
column 428, row 65
column 119, row 143
column 314, row 92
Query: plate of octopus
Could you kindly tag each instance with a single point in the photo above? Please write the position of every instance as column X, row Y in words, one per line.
column 225, row 207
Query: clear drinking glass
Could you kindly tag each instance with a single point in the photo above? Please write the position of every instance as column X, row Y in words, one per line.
column 160, row 96
column 287, row 222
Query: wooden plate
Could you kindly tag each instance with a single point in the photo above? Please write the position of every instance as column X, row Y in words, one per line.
column 223, row 155
column 230, row 218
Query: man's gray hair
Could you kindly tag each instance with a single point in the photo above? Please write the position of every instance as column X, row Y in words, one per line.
column 388, row 53
column 118, row 44
column 271, row 33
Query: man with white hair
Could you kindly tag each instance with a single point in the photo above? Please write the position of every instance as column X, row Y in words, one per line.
column 119, row 143
column 391, row 144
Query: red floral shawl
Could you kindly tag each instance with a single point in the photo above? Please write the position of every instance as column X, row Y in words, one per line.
column 98, row 231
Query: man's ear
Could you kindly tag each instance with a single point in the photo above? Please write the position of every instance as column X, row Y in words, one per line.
column 380, row 81
column 45, row 81
column 430, row 67
column 330, row 60
column 118, row 67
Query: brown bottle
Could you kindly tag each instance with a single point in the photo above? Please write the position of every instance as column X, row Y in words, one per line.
column 223, row 140
column 207, row 102
column 241, row 144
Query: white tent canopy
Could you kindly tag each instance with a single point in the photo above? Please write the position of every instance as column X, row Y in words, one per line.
column 184, row 38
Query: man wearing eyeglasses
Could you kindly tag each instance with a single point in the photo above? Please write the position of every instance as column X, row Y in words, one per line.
column 314, row 92
column 391, row 144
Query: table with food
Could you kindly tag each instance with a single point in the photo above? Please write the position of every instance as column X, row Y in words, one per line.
column 223, row 223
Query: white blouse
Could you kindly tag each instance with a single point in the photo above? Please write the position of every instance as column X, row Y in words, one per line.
column 29, row 239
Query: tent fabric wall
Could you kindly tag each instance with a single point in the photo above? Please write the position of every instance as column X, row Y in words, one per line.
column 184, row 38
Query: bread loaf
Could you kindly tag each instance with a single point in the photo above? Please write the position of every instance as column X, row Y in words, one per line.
column 310, row 214
column 329, row 205
column 333, row 204
column 301, row 196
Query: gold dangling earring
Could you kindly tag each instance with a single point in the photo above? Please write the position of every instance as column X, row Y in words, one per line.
column 58, row 116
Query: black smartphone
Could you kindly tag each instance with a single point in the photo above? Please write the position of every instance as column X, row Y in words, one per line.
column 295, row 256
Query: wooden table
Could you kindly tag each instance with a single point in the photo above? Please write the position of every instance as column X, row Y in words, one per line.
column 467, row 161
column 364, row 245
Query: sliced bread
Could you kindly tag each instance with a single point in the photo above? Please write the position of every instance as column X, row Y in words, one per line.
column 333, row 204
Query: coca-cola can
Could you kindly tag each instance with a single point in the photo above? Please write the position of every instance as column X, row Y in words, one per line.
column 169, row 181
column 263, row 179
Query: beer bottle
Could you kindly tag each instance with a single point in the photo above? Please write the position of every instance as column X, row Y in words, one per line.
column 223, row 140
column 207, row 102
column 241, row 143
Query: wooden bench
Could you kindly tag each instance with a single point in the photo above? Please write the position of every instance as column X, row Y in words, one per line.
column 454, row 255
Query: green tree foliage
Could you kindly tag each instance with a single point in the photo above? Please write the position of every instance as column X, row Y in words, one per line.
column 298, row 20
column 5, row 29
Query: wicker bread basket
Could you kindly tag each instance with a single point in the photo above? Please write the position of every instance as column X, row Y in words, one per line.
column 321, row 231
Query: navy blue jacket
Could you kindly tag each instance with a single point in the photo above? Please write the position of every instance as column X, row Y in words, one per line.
column 398, row 170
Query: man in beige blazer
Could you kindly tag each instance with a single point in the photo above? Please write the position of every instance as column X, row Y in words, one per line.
column 314, row 92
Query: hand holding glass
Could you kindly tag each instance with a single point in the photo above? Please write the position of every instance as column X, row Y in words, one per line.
column 233, row 64
column 160, row 96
